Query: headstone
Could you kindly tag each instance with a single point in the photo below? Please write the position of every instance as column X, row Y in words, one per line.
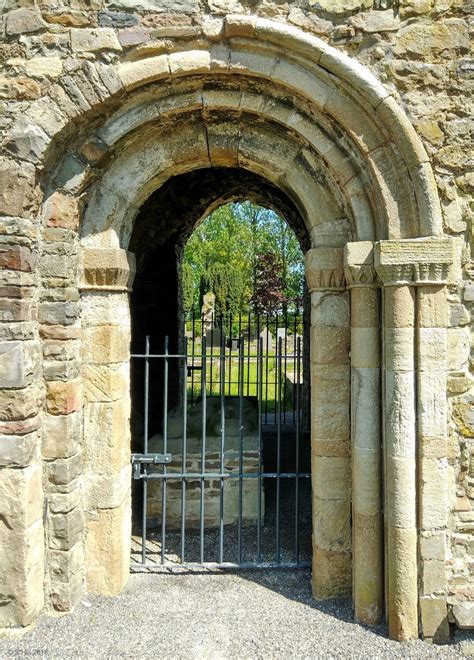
column 281, row 334
column 207, row 311
column 214, row 338
column 267, row 340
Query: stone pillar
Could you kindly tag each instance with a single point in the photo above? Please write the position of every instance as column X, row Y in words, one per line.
column 366, row 439
column 21, row 400
column 106, row 280
column 402, row 266
column 330, row 422
column 433, row 482
column 61, row 448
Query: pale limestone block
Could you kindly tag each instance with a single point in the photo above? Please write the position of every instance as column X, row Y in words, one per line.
column 105, row 344
column 330, row 421
column 400, row 485
column 399, row 307
column 433, row 307
column 330, row 310
column 359, row 253
column 459, row 348
column 107, row 436
column 40, row 67
column 433, row 480
column 107, row 268
column 400, row 413
column 104, row 307
column 223, row 141
column 433, row 545
column 105, row 382
column 432, row 405
column 254, row 63
column 18, row 451
column 365, row 307
column 330, row 345
column 21, row 491
column 323, row 260
column 22, row 575
column 65, row 502
column 464, row 614
column 432, row 348
column 331, row 477
column 192, row 61
column 107, row 550
column 433, row 576
column 304, row 80
column 331, row 574
column 18, row 361
column 409, row 144
column 399, row 345
column 434, row 618
column 61, row 435
column 65, row 471
column 134, row 74
column 367, row 568
column 330, row 384
column 108, row 491
column 367, row 480
column 365, row 408
column 330, row 446
column 402, row 583
column 90, row 39
column 65, row 529
column 330, row 234
column 365, row 347
column 332, row 524
column 356, row 191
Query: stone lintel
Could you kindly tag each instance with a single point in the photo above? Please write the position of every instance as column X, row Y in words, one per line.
column 416, row 262
column 107, row 269
column 359, row 267
column 324, row 269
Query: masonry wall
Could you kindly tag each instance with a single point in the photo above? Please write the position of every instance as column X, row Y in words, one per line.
column 418, row 49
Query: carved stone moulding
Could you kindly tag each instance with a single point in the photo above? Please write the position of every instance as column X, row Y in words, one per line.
column 107, row 269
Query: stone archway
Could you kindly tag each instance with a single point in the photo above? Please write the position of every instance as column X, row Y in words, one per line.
column 271, row 100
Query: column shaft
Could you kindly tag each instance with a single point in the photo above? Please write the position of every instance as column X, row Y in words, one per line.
column 367, row 531
column 400, row 461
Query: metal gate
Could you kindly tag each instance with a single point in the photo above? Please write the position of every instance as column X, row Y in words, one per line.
column 226, row 480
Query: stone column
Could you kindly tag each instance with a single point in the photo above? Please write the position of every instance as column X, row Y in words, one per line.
column 366, row 439
column 21, row 401
column 330, row 422
column 107, row 275
column 61, row 448
column 402, row 266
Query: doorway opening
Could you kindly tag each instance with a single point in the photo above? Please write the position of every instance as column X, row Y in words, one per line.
column 220, row 420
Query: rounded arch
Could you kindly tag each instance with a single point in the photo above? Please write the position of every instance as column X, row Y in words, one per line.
column 356, row 130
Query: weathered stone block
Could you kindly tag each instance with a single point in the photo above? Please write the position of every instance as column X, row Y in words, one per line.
column 365, row 348
column 105, row 344
column 94, row 39
column 330, row 421
column 18, row 362
column 20, row 404
column 107, row 268
column 434, row 619
column 24, row 20
column 433, row 576
column 332, row 524
column 17, row 257
column 63, row 398
column 464, row 614
column 330, row 477
column 18, row 450
column 117, row 19
column 106, row 436
column 61, row 211
column 66, row 570
column 330, row 310
column 108, row 491
column 65, row 529
column 17, row 310
column 399, row 345
column 62, row 313
column 64, row 471
column 332, row 574
column 433, row 478
column 330, row 345
column 105, row 383
column 61, row 435
column 21, row 502
column 108, row 550
column 18, row 193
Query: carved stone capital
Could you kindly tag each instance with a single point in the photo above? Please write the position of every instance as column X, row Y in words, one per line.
column 107, row 269
column 416, row 262
column 324, row 269
column 359, row 266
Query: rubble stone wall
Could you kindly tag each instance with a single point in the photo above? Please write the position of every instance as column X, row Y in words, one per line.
column 88, row 88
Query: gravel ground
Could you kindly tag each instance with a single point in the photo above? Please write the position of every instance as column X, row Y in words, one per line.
column 251, row 614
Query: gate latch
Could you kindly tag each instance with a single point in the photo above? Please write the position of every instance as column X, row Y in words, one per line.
column 148, row 459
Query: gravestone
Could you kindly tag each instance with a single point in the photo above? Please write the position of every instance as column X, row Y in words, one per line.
column 214, row 338
column 266, row 339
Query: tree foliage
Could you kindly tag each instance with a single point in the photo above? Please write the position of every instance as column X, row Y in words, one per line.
column 228, row 254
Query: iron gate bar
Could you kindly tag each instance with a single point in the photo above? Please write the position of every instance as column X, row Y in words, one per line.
column 165, row 448
column 297, row 457
column 221, row 482
column 260, row 446
column 210, row 566
column 203, row 442
column 278, row 396
column 145, row 446
column 185, row 429
column 223, row 475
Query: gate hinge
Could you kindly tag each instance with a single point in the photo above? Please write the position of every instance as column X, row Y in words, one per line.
column 148, row 459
